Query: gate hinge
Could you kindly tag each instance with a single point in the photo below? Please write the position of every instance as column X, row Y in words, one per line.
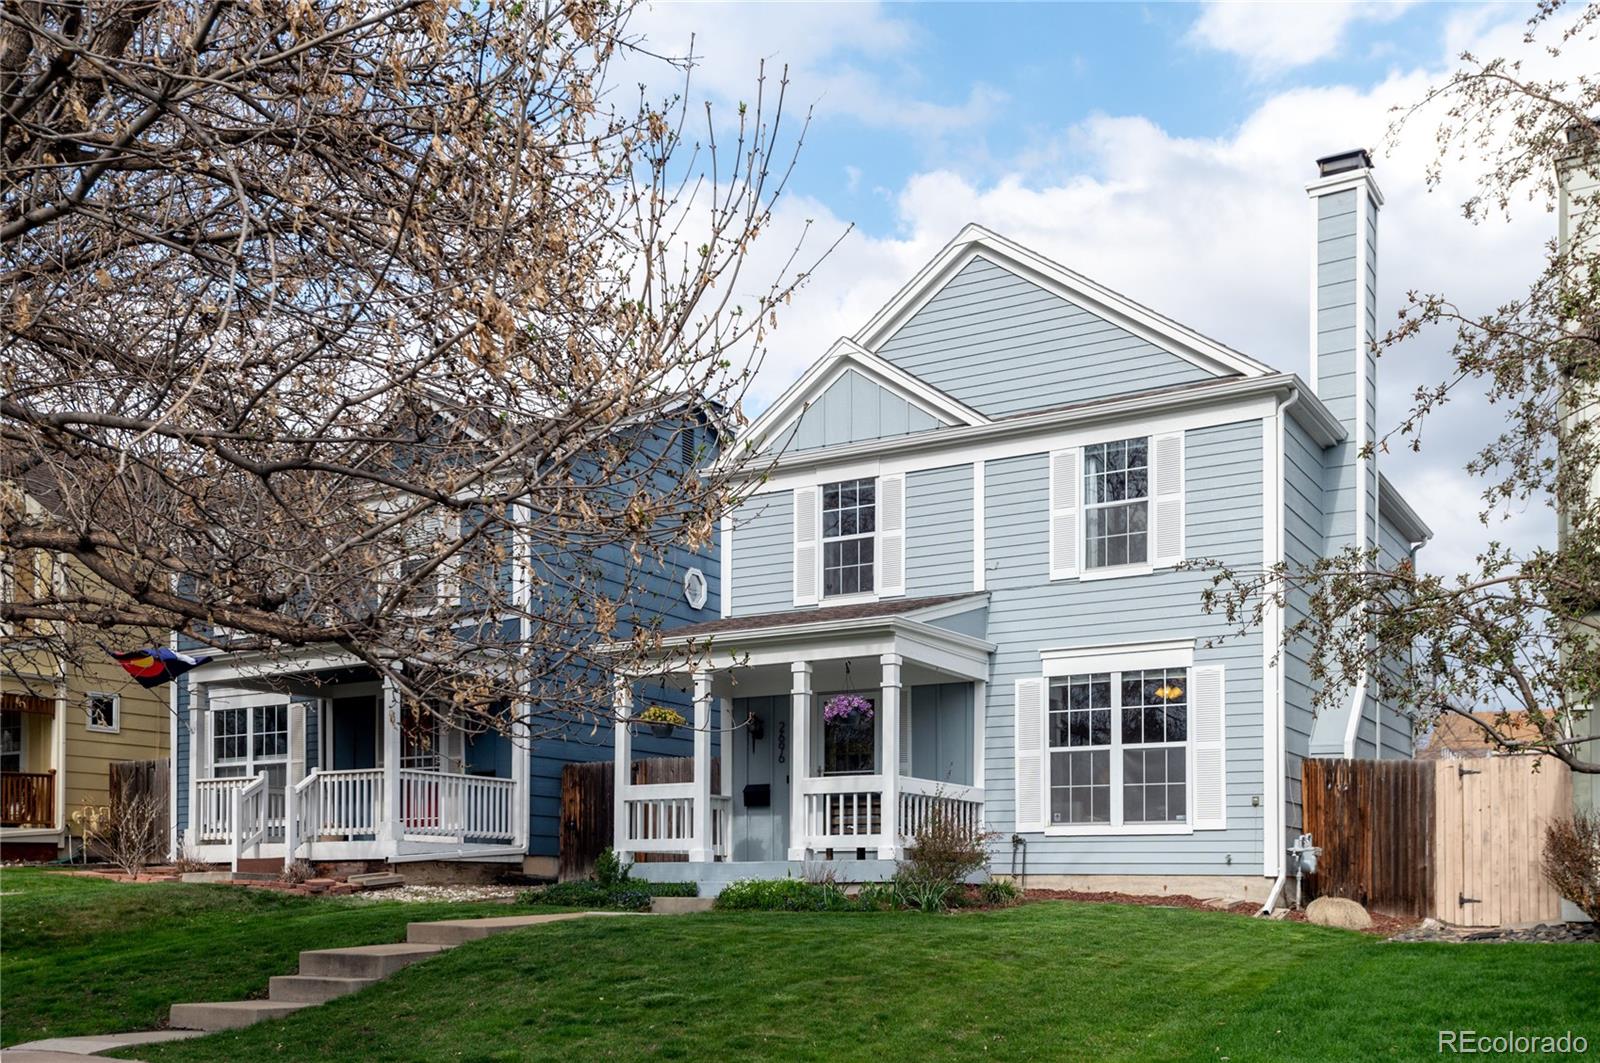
column 1460, row 771
column 1462, row 900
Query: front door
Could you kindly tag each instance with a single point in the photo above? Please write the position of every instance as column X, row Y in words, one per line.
column 354, row 743
column 763, row 759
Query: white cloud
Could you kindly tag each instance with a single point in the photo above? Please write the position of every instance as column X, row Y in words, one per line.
column 1216, row 233
column 1273, row 37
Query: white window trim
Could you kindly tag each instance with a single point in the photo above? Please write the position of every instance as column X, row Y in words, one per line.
column 116, row 713
column 249, row 702
column 1142, row 568
column 824, row 599
column 1061, row 662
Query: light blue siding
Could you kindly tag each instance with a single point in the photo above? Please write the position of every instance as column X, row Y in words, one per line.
column 1004, row 345
column 763, row 554
column 1396, row 726
column 1223, row 469
column 942, row 733
column 851, row 410
column 1302, row 545
column 939, row 531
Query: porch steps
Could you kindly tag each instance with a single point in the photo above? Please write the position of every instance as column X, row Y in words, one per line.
column 326, row 974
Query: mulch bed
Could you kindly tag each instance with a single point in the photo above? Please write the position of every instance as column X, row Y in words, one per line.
column 1382, row 925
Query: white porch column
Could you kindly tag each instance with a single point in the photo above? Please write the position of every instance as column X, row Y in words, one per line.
column 392, row 828
column 521, row 772
column 700, row 848
column 725, row 747
column 622, row 763
column 889, row 714
column 799, row 756
column 980, row 703
column 199, row 695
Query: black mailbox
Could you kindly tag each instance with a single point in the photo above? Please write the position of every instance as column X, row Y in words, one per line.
column 758, row 795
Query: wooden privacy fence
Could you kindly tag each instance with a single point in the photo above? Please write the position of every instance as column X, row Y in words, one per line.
column 588, row 793
column 1459, row 840
column 130, row 780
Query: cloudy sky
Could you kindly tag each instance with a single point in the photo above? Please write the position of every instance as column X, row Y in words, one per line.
column 1161, row 149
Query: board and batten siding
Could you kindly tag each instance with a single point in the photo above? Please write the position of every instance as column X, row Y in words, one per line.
column 939, row 531
column 1027, row 612
column 853, row 409
column 1003, row 345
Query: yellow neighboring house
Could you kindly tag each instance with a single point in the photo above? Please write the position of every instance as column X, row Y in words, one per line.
column 62, row 723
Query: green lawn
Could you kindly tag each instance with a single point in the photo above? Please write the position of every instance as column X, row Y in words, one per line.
column 1045, row 981
column 80, row 956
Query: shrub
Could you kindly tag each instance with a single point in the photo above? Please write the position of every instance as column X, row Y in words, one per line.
column 1572, row 860
column 610, row 870
column 629, row 895
column 130, row 833
column 785, row 895
column 878, row 897
column 942, row 854
column 999, row 892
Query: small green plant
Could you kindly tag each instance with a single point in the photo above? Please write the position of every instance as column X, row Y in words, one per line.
column 999, row 892
column 628, row 896
column 610, row 869
column 878, row 897
column 785, row 895
column 660, row 714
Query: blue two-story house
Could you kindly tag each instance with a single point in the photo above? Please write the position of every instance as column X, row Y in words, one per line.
column 964, row 579
column 283, row 755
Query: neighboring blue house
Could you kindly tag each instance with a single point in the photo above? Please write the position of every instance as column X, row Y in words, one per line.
column 313, row 746
column 973, row 514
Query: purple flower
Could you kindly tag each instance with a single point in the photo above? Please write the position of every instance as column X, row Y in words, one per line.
column 844, row 706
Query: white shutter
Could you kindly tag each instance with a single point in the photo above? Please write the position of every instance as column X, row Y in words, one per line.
column 805, row 546
column 1207, row 752
column 905, row 733
column 891, row 535
column 1029, row 730
column 1065, row 476
column 1166, row 468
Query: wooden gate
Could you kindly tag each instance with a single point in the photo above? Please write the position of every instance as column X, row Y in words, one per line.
column 129, row 781
column 1459, row 840
column 1493, row 813
column 588, row 791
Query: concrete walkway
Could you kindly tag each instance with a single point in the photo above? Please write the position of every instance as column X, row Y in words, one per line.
column 324, row 975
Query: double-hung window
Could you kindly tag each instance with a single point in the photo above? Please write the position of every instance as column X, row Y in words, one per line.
column 1116, row 503
column 849, row 537
column 247, row 740
column 1118, row 748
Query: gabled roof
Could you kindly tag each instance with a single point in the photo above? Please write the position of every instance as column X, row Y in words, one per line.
column 975, row 241
column 846, row 355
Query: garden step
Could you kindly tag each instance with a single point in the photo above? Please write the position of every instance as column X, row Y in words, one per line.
column 375, row 880
column 229, row 1015
column 680, row 905
column 454, row 931
column 364, row 961
column 313, row 989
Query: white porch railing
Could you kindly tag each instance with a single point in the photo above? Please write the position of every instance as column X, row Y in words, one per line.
column 658, row 817
column 722, row 826
column 922, row 799
column 338, row 805
column 445, row 804
column 843, row 811
column 213, row 811
column 250, row 816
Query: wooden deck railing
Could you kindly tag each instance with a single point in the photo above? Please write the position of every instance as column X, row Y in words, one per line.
column 28, row 799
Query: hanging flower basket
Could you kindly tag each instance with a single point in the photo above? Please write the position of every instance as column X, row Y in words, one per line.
column 662, row 720
column 847, row 708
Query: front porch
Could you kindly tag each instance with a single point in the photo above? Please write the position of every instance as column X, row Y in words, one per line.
column 316, row 761
column 795, row 788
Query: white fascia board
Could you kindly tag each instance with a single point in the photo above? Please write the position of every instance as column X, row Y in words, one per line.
column 816, row 640
column 1071, row 660
column 975, row 240
column 1226, row 401
column 1397, row 511
column 1341, row 182
column 233, row 667
column 842, row 357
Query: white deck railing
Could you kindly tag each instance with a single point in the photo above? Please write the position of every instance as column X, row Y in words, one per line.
column 658, row 817
column 338, row 805
column 250, row 816
column 922, row 799
column 445, row 804
column 213, row 811
column 843, row 811
column 722, row 826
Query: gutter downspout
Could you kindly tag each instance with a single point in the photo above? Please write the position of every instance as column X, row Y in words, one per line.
column 1283, row 760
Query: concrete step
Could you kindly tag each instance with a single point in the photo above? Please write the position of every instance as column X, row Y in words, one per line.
column 229, row 1015
column 680, row 905
column 455, row 931
column 313, row 989
column 365, row 961
column 375, row 880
